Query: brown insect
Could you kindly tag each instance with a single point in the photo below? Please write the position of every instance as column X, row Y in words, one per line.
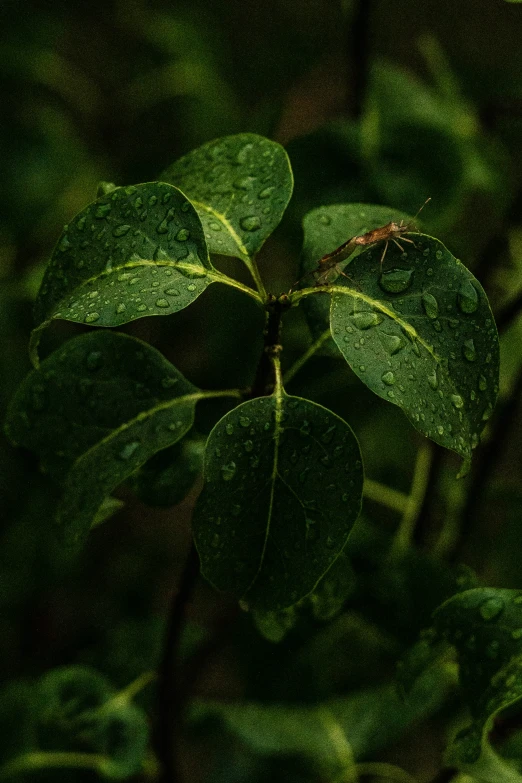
column 391, row 232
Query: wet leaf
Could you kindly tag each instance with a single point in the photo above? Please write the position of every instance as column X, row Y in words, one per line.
column 95, row 411
column 324, row 603
column 167, row 478
column 421, row 335
column 134, row 252
column 325, row 229
column 283, row 484
column 485, row 626
column 240, row 186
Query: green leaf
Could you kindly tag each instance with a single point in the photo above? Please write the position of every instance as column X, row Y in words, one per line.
column 325, row 229
column 167, row 478
column 240, row 186
column 485, row 626
column 134, row 252
column 421, row 335
column 95, row 411
column 120, row 733
column 283, row 484
column 367, row 720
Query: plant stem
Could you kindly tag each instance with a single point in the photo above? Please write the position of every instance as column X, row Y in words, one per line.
column 404, row 535
column 380, row 493
column 170, row 706
column 220, row 277
column 294, row 369
column 264, row 380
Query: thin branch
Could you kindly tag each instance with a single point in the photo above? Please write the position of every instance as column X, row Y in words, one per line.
column 170, row 705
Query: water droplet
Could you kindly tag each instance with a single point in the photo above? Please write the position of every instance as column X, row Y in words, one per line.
column 431, row 306
column 245, row 183
column 168, row 382
column 391, row 342
column 248, row 445
column 457, row 401
column 467, row 297
column 214, row 225
column 305, row 428
column 491, row 608
column 90, row 318
column 153, row 200
column 517, row 633
column 250, row 223
column 171, row 291
column 182, row 235
column 242, row 155
column 121, row 308
column 120, row 231
column 141, row 308
column 433, row 380
column 438, row 255
column 94, row 360
column 102, row 210
column 366, row 320
column 128, row 450
column 162, row 303
column 244, row 421
column 325, row 219
column 388, row 378
column 469, row 351
column 228, row 471
column 185, row 206
column 215, row 541
column 266, row 192
column 440, row 429
column 191, row 287
column 395, row 281
column 482, row 384
column 487, row 413
column 229, row 428
column 163, row 227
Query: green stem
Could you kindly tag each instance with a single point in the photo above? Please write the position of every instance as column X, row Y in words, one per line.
column 294, row 369
column 210, row 395
column 259, row 295
column 382, row 770
column 49, row 760
column 296, row 296
column 278, row 374
column 404, row 535
column 127, row 694
column 254, row 271
column 380, row 493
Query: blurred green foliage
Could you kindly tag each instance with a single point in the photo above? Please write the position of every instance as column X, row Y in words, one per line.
column 410, row 101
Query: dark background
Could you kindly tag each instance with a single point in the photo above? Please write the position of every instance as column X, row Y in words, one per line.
column 387, row 102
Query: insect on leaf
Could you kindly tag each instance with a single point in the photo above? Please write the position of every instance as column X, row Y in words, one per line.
column 420, row 333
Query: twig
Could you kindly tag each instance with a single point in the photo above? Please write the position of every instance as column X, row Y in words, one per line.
column 170, row 706
column 264, row 380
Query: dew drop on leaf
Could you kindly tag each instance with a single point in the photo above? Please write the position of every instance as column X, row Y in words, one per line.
column 228, row 471
column 469, row 351
column 91, row 318
column 367, row 320
column 250, row 223
column 120, row 231
column 182, row 235
column 430, row 305
column 94, row 360
column 457, row 401
column 128, row 450
column 388, row 378
column 162, row 303
column 395, row 281
column 467, row 297
column 491, row 608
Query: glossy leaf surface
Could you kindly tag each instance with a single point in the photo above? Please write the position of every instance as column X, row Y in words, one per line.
column 136, row 251
column 240, row 186
column 325, row 229
column 485, row 626
column 421, row 335
column 283, row 484
column 95, row 411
